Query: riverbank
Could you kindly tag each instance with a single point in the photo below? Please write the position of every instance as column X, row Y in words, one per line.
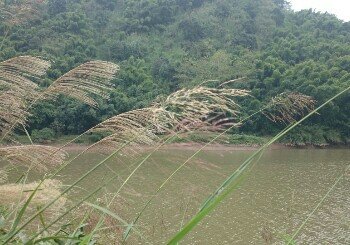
column 192, row 147
column 227, row 142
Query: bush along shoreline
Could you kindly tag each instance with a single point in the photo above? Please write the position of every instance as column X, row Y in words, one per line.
column 238, row 140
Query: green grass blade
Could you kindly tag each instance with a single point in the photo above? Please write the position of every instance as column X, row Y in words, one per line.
column 230, row 183
column 28, row 136
column 113, row 215
column 292, row 238
column 108, row 212
column 66, row 190
column 187, row 161
column 20, row 215
column 53, row 238
column 194, row 221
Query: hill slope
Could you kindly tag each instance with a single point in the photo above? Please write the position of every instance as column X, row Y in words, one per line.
column 163, row 45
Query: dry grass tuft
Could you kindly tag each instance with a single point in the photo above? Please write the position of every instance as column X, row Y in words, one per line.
column 13, row 194
column 12, row 109
column 184, row 110
column 18, row 12
column 86, row 80
column 203, row 101
column 37, row 157
column 17, row 88
column 287, row 107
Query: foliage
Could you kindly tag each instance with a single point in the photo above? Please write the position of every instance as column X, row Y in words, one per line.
column 163, row 45
column 43, row 135
column 291, row 62
column 211, row 106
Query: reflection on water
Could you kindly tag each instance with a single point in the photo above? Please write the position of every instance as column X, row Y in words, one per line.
column 273, row 201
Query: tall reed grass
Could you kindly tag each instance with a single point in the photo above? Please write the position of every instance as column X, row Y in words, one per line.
column 202, row 108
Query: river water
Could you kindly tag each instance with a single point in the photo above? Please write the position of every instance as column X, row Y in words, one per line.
column 274, row 199
column 276, row 196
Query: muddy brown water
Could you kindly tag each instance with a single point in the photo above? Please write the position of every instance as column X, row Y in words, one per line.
column 275, row 198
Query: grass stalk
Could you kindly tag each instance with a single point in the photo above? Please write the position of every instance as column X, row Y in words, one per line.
column 230, row 184
column 295, row 234
column 76, row 205
column 66, row 190
column 188, row 160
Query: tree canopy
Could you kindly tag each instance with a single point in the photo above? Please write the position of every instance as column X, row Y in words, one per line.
column 164, row 45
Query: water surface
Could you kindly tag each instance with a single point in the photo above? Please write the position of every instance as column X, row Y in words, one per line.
column 274, row 199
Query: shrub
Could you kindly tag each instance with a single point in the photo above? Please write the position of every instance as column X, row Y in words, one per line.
column 43, row 135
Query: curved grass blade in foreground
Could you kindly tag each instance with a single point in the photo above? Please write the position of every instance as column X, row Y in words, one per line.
column 41, row 210
column 127, row 233
column 230, row 184
column 204, row 98
column 294, row 106
column 291, row 240
column 206, row 101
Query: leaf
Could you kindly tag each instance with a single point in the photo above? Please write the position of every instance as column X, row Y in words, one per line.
column 115, row 216
column 230, row 183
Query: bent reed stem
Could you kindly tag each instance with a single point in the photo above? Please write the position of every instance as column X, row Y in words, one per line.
column 318, row 205
column 189, row 159
column 226, row 188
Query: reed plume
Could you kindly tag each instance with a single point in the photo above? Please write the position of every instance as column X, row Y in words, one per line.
column 18, row 92
column 11, row 195
column 84, row 82
column 202, row 101
column 18, row 12
column 287, row 107
column 12, row 109
column 39, row 157
column 18, row 89
column 17, row 74
column 184, row 110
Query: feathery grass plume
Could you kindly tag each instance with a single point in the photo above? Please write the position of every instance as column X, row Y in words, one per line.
column 17, row 88
column 184, row 110
column 26, row 65
column 18, row 12
column 38, row 156
column 85, row 81
column 12, row 109
column 203, row 101
column 286, row 107
column 13, row 194
column 17, row 74
column 141, row 124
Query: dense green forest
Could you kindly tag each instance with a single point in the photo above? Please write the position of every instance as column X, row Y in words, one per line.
column 163, row 45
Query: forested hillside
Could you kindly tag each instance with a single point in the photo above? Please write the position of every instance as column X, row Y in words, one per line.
column 163, row 45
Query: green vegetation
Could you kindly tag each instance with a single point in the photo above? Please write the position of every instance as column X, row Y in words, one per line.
column 164, row 45
column 234, row 180
column 44, row 204
column 232, row 72
column 232, row 139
